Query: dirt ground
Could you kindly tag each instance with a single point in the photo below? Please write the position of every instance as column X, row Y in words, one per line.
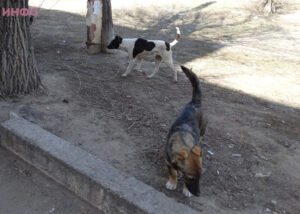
column 248, row 65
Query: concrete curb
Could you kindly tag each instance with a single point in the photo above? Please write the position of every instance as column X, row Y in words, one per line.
column 92, row 179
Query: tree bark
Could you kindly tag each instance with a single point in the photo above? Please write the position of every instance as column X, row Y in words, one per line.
column 268, row 6
column 18, row 69
column 107, row 25
column 99, row 25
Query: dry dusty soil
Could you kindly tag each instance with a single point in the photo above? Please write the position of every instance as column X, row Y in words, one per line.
column 249, row 67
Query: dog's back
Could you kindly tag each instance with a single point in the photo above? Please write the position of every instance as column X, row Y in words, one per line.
column 191, row 119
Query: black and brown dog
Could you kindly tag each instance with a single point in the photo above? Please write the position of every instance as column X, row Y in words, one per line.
column 183, row 151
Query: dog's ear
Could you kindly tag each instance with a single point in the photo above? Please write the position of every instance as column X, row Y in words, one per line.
column 120, row 39
column 182, row 155
column 197, row 151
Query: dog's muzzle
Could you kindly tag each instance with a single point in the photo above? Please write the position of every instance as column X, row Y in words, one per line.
column 193, row 186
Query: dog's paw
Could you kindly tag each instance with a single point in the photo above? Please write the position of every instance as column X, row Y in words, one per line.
column 149, row 76
column 186, row 192
column 140, row 70
column 175, row 80
column 170, row 186
column 124, row 75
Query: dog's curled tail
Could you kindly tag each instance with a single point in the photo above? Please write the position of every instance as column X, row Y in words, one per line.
column 195, row 83
column 177, row 37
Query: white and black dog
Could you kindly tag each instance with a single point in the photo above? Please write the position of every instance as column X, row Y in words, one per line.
column 138, row 49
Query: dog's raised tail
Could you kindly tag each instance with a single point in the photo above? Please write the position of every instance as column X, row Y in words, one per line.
column 195, row 83
column 177, row 37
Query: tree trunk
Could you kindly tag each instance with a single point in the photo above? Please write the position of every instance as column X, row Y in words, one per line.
column 99, row 25
column 268, row 6
column 107, row 25
column 18, row 69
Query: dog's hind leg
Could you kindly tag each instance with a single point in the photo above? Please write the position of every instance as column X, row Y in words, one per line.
column 139, row 65
column 169, row 62
column 129, row 68
column 170, row 65
column 158, row 60
column 172, row 182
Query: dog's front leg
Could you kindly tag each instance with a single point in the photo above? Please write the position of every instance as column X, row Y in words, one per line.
column 129, row 68
column 186, row 192
column 172, row 182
